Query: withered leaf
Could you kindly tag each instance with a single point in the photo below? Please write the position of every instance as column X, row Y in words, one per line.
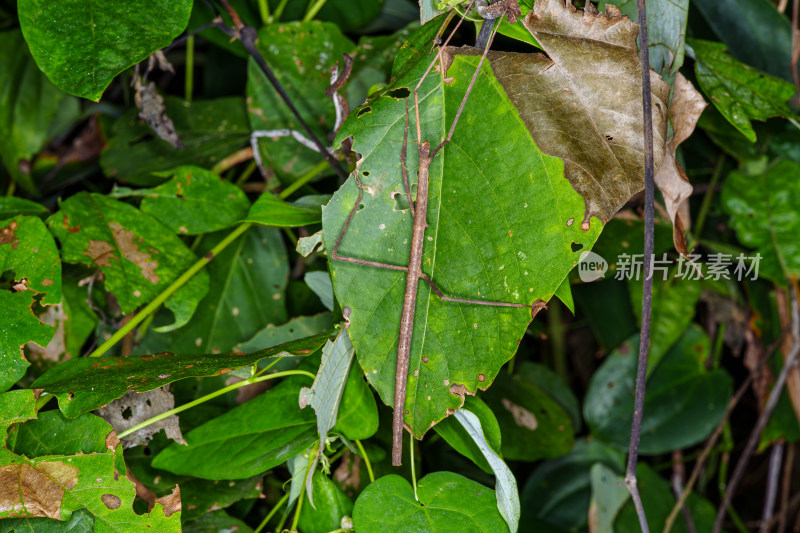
column 136, row 407
column 685, row 108
column 583, row 103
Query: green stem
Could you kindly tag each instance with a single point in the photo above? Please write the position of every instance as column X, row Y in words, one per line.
column 302, row 180
column 263, row 8
column 248, row 171
column 272, row 512
column 413, row 467
column 279, row 11
column 211, row 396
column 366, row 460
column 556, row 323
column 12, row 187
column 313, row 10
column 169, row 291
column 704, row 207
column 189, row 83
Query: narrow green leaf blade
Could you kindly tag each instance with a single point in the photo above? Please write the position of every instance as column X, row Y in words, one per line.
column 88, row 383
column 271, row 211
column 505, row 484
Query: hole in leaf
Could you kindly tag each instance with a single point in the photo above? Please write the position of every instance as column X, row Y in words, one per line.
column 576, row 247
column 609, row 138
column 361, row 206
column 127, row 413
column 399, row 93
column 365, row 173
column 363, row 111
column 401, row 200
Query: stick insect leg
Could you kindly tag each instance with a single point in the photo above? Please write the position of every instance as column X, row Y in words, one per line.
column 466, row 95
column 335, row 251
column 437, row 58
column 403, row 157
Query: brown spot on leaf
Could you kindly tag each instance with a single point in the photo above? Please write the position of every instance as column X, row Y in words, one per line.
column 100, row 252
column 8, row 234
column 112, row 441
column 522, row 417
column 537, row 306
column 67, row 226
column 132, row 253
column 481, row 378
column 47, row 282
column 111, row 501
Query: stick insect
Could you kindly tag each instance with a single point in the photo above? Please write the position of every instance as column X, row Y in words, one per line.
column 418, row 209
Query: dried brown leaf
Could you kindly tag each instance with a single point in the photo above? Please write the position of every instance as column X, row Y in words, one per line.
column 134, row 408
column 583, row 103
column 685, row 109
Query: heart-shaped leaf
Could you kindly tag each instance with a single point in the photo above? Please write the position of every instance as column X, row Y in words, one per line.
column 447, row 502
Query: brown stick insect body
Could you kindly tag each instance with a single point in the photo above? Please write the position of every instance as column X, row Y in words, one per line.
column 419, row 209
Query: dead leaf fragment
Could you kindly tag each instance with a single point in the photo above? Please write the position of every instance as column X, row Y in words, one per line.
column 134, row 408
column 685, row 109
column 171, row 502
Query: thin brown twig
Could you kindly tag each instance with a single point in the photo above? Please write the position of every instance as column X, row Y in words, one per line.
column 773, row 476
column 763, row 418
column 647, row 290
column 786, row 488
column 795, row 46
column 712, row 440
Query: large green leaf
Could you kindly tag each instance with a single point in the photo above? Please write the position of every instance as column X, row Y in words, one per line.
column 500, row 228
column 82, row 46
column 247, row 440
column 738, row 91
column 666, row 30
column 301, row 55
column 765, row 212
column 271, row 211
column 193, row 201
column 85, row 477
column 209, row 129
column 248, row 292
column 681, row 393
column 28, row 105
column 558, row 491
column 87, row 383
column 138, row 256
column 447, row 502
